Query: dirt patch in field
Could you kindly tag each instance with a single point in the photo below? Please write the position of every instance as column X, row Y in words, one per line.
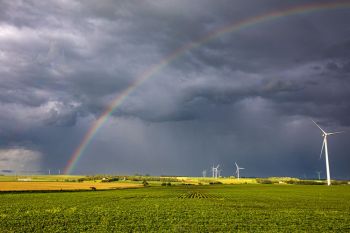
column 25, row 186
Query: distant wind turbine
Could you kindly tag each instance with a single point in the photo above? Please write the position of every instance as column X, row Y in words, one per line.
column 219, row 173
column 215, row 171
column 237, row 170
column 319, row 174
column 324, row 145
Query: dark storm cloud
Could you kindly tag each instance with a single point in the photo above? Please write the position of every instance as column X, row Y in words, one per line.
column 245, row 96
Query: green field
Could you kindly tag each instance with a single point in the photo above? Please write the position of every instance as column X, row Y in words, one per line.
column 51, row 178
column 206, row 208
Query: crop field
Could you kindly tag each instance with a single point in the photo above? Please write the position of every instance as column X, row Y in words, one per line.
column 25, row 186
column 49, row 178
column 200, row 208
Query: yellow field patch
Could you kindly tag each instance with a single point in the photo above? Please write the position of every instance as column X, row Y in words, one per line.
column 205, row 180
column 26, row 186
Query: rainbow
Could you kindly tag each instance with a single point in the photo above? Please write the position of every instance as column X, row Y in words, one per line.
column 233, row 27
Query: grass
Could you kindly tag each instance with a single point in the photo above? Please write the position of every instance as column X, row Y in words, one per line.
column 200, row 208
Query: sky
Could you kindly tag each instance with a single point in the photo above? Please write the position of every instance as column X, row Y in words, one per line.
column 245, row 96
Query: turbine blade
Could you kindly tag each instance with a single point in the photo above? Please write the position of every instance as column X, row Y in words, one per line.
column 324, row 141
column 318, row 126
column 335, row 132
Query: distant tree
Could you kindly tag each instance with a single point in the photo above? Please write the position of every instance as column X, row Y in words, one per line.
column 113, row 179
column 145, row 183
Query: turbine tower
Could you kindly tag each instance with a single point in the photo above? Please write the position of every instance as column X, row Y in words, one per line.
column 319, row 174
column 216, row 171
column 237, row 170
column 325, row 146
column 204, row 173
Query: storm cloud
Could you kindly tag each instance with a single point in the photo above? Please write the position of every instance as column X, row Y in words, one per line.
column 247, row 96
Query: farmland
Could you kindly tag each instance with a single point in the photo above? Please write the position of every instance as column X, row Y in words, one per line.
column 44, row 186
column 181, row 208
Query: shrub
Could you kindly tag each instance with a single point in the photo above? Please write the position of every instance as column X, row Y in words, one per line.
column 340, row 182
column 305, row 182
column 214, row 182
column 136, row 179
column 145, row 183
column 264, row 181
column 113, row 179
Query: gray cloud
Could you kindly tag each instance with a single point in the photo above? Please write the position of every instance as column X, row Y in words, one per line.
column 246, row 96
column 19, row 160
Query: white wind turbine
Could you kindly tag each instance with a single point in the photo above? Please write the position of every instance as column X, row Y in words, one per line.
column 237, row 170
column 324, row 145
column 319, row 174
column 204, row 173
column 216, row 171
column 219, row 173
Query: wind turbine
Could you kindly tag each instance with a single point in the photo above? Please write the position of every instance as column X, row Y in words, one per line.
column 319, row 174
column 204, row 173
column 219, row 173
column 216, row 171
column 324, row 145
column 237, row 170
